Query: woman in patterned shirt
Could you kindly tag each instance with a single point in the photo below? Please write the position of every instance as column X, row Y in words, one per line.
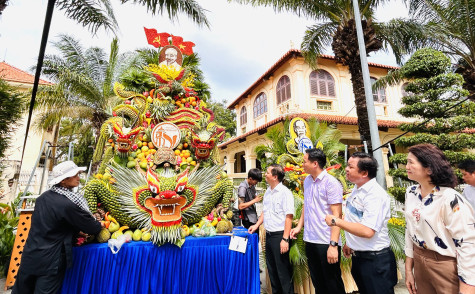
column 440, row 232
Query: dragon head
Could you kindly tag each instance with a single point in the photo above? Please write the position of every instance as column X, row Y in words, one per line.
column 170, row 195
column 204, row 140
column 124, row 137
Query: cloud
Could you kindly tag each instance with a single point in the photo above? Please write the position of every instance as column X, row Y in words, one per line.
column 240, row 45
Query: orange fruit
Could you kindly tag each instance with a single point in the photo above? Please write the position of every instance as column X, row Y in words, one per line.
column 177, row 152
column 185, row 145
column 193, row 103
column 186, row 155
column 150, row 145
column 153, row 151
column 183, row 100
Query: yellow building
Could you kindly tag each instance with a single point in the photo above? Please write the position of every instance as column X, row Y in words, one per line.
column 290, row 88
column 13, row 179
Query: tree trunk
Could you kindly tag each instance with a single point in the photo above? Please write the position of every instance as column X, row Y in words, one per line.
column 345, row 47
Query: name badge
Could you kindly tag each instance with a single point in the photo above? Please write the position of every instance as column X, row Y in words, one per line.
column 238, row 244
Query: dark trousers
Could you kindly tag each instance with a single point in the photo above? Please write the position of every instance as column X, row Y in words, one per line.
column 375, row 272
column 27, row 283
column 326, row 277
column 278, row 265
column 246, row 223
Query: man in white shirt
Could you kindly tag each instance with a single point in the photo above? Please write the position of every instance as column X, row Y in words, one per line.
column 366, row 217
column 467, row 167
column 277, row 215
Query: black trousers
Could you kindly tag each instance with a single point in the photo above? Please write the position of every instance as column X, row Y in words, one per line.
column 375, row 272
column 27, row 283
column 326, row 277
column 246, row 223
column 278, row 265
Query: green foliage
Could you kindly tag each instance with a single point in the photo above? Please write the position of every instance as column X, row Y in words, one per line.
column 399, row 173
column 82, row 137
column 224, row 117
column 11, row 106
column 83, row 88
column 426, row 63
column 399, row 193
column 434, row 96
column 8, row 221
column 397, row 237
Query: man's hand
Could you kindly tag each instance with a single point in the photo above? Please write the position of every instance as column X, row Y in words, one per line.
column 328, row 219
column 252, row 229
column 257, row 199
column 294, row 232
column 284, row 247
column 347, row 251
column 332, row 254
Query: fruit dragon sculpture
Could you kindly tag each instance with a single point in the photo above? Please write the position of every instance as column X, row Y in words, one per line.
column 157, row 155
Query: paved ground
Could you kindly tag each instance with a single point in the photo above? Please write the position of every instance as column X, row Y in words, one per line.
column 400, row 288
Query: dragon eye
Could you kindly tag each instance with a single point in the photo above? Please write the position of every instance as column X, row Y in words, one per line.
column 180, row 188
column 153, row 189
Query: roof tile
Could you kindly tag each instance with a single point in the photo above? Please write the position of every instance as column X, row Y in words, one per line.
column 12, row 74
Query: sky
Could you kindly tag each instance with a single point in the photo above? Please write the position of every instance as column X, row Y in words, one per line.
column 241, row 43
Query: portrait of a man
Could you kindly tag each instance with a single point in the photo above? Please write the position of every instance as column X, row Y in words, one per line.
column 300, row 133
column 171, row 57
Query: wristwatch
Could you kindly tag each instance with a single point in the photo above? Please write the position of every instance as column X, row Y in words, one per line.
column 333, row 221
column 286, row 239
column 333, row 243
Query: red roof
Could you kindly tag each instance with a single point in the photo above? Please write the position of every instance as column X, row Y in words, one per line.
column 292, row 53
column 337, row 119
column 12, row 74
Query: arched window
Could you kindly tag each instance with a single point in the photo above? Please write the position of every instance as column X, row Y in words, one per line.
column 260, row 105
column 378, row 95
column 243, row 116
column 403, row 90
column 322, row 84
column 283, row 89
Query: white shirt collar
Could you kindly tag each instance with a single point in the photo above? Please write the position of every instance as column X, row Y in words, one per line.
column 368, row 185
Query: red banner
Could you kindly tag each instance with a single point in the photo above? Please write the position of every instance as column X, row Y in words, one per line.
column 185, row 47
column 156, row 39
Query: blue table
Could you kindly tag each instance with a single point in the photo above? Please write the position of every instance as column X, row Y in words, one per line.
column 202, row 265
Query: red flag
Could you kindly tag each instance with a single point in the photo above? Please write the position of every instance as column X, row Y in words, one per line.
column 155, row 39
column 185, row 47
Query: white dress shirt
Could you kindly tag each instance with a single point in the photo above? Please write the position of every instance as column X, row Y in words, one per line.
column 278, row 202
column 469, row 194
column 369, row 205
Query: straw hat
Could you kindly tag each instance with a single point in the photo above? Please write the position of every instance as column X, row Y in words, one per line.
column 64, row 170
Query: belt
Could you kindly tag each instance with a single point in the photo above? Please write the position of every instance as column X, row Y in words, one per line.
column 367, row 254
column 274, row 233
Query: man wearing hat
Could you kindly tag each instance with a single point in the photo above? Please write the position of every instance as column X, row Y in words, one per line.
column 59, row 215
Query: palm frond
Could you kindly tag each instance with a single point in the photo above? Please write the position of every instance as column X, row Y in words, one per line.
column 316, row 39
column 91, row 14
column 189, row 7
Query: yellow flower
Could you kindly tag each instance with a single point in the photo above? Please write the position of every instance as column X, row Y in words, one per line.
column 168, row 73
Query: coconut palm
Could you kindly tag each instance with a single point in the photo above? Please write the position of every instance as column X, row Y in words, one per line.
column 336, row 27
column 83, row 83
column 97, row 14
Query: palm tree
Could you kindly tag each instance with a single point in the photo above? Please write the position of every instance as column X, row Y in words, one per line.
column 83, row 84
column 336, row 27
column 449, row 26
